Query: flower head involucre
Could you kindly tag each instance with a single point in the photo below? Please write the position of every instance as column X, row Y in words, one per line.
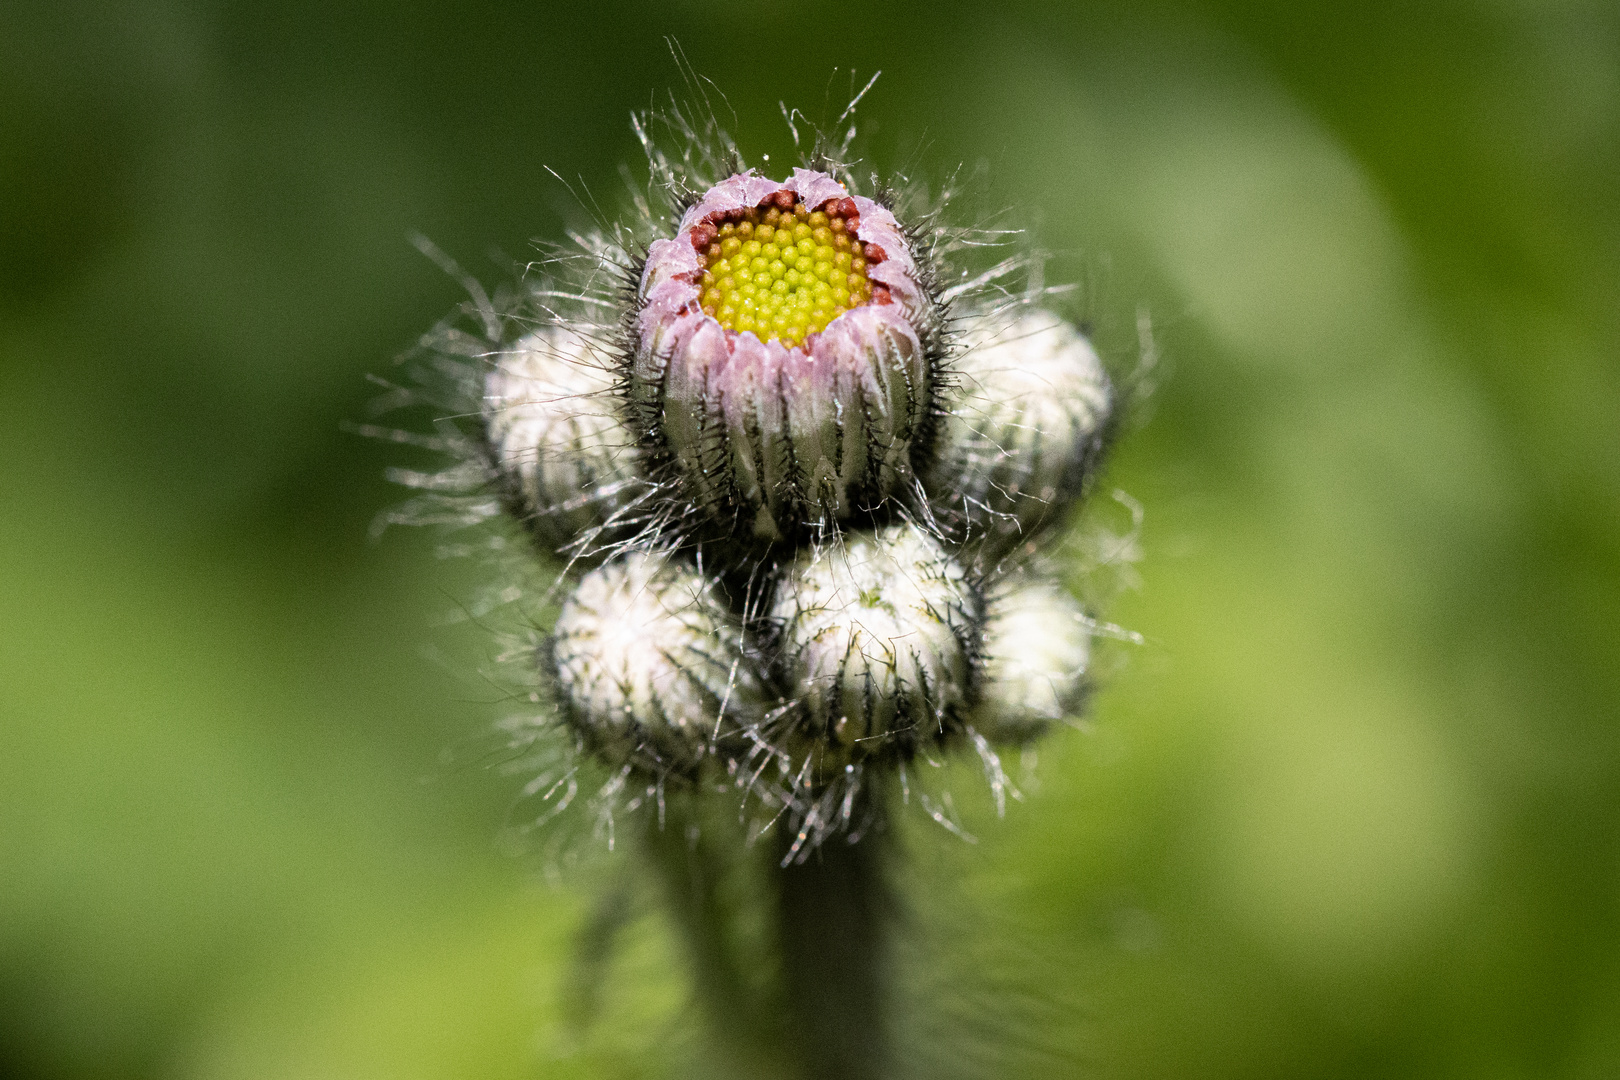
column 783, row 355
column 650, row 665
column 878, row 635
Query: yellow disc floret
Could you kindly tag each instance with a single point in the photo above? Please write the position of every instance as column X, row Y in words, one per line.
column 782, row 270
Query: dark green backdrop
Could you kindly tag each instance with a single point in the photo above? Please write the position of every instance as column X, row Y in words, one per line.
column 1352, row 809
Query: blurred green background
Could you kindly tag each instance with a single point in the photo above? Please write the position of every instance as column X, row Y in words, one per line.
column 1353, row 810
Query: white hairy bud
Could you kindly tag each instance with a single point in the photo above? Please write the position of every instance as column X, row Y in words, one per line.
column 651, row 666
column 1025, row 428
column 552, row 414
column 878, row 632
column 1037, row 644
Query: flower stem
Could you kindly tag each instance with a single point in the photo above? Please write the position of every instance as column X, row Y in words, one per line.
column 825, row 1017
column 832, row 932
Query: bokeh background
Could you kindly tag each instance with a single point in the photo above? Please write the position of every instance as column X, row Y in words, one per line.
column 1352, row 810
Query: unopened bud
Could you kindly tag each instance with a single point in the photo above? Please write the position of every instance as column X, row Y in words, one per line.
column 651, row 666
column 1037, row 643
column 878, row 631
column 556, row 436
column 1025, row 430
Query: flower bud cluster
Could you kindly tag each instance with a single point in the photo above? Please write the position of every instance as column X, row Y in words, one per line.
column 798, row 485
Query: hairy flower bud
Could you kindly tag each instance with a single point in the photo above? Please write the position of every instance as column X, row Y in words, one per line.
column 1037, row 644
column 782, row 354
column 1026, row 428
column 878, row 632
column 552, row 419
column 651, row 666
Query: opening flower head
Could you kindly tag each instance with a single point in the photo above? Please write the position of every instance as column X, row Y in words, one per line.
column 784, row 355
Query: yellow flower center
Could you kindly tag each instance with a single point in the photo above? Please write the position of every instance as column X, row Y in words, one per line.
column 782, row 270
